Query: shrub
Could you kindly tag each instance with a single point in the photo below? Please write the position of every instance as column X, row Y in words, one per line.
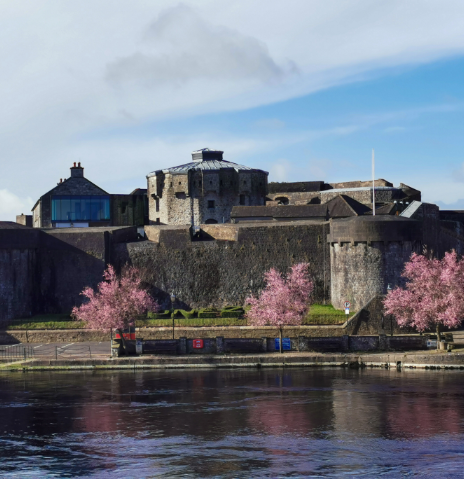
column 208, row 313
column 232, row 312
column 164, row 315
column 186, row 314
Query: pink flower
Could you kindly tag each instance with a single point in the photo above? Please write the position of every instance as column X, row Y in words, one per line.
column 284, row 301
column 434, row 293
column 117, row 302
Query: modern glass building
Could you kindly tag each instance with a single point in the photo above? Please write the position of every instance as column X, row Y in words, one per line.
column 66, row 208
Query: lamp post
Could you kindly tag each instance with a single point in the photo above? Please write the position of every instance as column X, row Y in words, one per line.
column 173, row 300
column 389, row 288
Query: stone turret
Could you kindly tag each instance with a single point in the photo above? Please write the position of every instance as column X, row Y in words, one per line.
column 367, row 253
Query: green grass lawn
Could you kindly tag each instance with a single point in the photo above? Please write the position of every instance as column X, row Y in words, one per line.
column 326, row 314
column 319, row 314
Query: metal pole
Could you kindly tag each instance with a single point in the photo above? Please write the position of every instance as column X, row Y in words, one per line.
column 373, row 183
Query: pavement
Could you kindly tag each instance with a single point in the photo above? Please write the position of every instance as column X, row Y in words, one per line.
column 80, row 350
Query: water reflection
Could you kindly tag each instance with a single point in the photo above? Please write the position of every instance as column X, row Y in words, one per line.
column 231, row 423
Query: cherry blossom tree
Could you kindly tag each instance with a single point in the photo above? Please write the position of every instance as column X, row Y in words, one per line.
column 116, row 302
column 284, row 301
column 434, row 293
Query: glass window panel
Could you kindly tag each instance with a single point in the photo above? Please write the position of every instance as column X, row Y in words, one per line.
column 80, row 208
column 106, row 208
column 65, row 209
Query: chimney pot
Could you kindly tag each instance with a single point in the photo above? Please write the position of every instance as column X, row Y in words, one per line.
column 74, row 164
column 79, row 164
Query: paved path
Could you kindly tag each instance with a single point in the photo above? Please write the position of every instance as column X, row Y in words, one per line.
column 84, row 350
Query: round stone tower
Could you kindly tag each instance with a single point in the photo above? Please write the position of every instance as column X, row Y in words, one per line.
column 367, row 253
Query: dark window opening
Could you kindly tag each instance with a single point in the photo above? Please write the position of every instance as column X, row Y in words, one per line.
column 123, row 208
column 157, row 221
column 180, row 183
column 220, row 182
column 242, row 200
column 210, row 222
column 199, row 183
column 210, row 203
column 282, row 200
column 181, row 196
column 171, row 184
column 157, row 204
column 210, row 182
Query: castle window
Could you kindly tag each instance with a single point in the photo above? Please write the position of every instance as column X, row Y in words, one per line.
column 210, row 203
column 171, row 184
column 210, row 222
column 210, row 182
column 180, row 183
column 81, row 208
column 242, row 200
column 199, row 183
column 157, row 204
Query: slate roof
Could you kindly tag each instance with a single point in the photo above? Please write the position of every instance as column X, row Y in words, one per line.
column 206, row 160
column 289, row 211
column 343, row 206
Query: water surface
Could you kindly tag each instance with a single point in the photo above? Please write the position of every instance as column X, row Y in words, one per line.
column 232, row 423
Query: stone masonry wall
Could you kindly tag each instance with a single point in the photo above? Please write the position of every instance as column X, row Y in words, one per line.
column 360, row 271
column 218, row 273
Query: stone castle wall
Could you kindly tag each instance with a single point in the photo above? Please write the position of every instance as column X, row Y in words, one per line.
column 227, row 264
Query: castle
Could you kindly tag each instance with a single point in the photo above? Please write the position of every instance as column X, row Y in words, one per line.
column 213, row 228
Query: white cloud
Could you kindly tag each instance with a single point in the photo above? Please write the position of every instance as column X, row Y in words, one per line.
column 73, row 70
column 12, row 205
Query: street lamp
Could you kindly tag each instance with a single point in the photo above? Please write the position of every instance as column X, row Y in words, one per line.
column 173, row 300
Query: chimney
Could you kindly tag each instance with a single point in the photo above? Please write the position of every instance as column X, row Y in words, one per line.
column 77, row 171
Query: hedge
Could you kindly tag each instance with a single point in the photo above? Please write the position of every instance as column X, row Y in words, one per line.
column 165, row 315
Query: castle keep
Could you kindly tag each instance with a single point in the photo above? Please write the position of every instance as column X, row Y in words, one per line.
column 203, row 191
column 188, row 250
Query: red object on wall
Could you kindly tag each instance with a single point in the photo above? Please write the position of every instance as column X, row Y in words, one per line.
column 129, row 335
column 197, row 343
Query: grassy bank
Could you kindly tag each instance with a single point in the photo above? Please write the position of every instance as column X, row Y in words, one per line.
column 319, row 314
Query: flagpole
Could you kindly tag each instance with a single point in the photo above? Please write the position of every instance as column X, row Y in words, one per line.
column 373, row 183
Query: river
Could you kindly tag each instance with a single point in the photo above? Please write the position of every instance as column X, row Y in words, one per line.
column 232, row 423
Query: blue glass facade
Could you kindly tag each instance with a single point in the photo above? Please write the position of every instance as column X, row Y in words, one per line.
column 80, row 208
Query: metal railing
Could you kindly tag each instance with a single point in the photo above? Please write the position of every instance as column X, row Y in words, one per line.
column 16, row 352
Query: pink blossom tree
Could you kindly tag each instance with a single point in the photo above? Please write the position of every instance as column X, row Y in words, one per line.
column 284, row 301
column 116, row 302
column 434, row 293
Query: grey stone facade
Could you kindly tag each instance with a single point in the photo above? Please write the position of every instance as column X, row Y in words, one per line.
column 367, row 254
column 203, row 191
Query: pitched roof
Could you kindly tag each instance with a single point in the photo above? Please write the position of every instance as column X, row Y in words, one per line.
column 77, row 186
column 343, row 206
column 288, row 211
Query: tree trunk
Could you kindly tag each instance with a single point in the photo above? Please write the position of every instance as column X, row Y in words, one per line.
column 280, row 341
column 438, row 336
column 123, row 340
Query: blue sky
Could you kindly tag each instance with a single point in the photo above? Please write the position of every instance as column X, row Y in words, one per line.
column 304, row 91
